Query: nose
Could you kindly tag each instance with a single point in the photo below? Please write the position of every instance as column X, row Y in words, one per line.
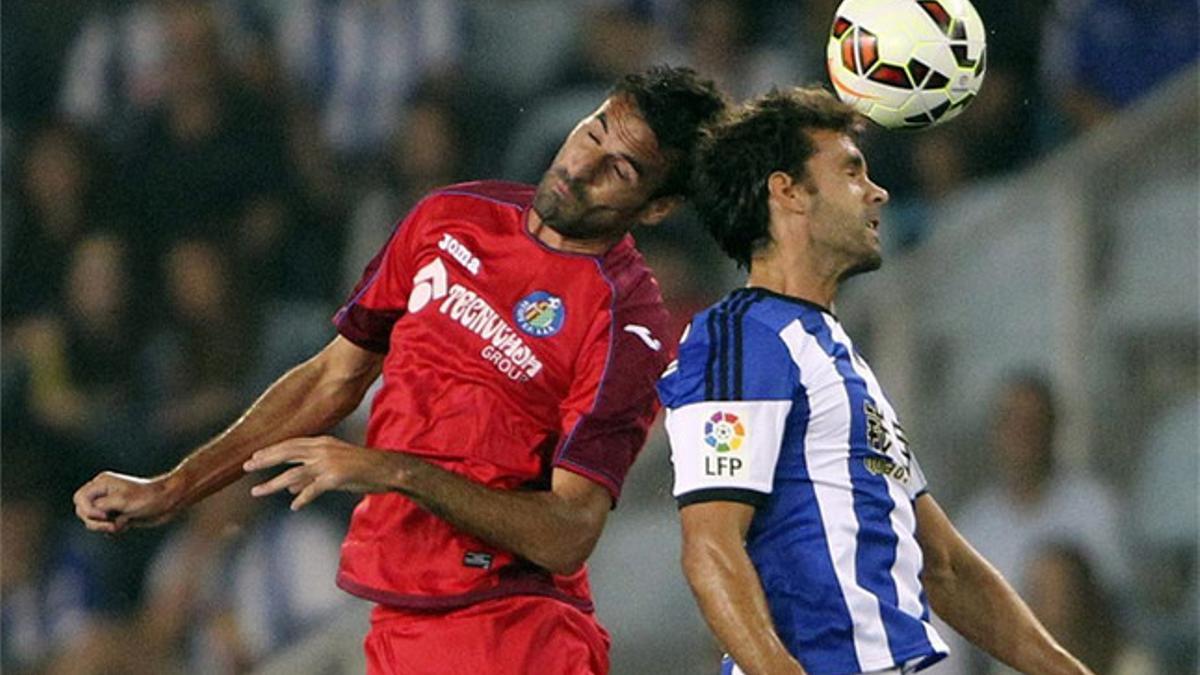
column 878, row 195
column 581, row 165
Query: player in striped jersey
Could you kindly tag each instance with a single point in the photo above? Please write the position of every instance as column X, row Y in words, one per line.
column 810, row 541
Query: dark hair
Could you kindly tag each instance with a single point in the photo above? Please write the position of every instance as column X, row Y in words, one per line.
column 737, row 155
column 1039, row 384
column 676, row 104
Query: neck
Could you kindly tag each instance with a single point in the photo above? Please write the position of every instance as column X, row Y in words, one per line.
column 551, row 238
column 802, row 276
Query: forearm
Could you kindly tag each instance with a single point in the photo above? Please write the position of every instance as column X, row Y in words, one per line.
column 304, row 401
column 977, row 602
column 540, row 526
column 731, row 598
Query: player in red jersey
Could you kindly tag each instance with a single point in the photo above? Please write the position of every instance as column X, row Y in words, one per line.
column 519, row 335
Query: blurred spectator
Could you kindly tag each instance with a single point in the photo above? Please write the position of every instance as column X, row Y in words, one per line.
column 719, row 45
column 80, row 361
column 235, row 583
column 58, row 198
column 49, row 619
column 356, row 61
column 1031, row 500
column 423, row 154
column 1165, row 510
column 520, row 68
column 199, row 360
column 210, row 161
column 117, row 67
column 1063, row 592
column 1102, row 55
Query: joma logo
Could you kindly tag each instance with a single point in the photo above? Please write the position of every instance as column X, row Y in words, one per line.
column 461, row 254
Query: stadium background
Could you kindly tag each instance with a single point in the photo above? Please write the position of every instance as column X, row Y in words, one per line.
column 190, row 188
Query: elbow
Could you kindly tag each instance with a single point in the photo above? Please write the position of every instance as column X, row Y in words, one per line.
column 565, row 565
column 567, row 559
column 568, row 552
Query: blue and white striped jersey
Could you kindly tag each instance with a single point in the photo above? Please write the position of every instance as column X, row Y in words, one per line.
column 770, row 404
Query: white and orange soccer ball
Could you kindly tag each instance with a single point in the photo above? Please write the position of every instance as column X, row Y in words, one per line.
column 907, row 64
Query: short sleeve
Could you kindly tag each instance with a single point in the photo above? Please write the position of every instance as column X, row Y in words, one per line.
column 728, row 399
column 611, row 404
column 917, row 483
column 381, row 295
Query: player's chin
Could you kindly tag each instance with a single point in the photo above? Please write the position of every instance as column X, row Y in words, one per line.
column 869, row 262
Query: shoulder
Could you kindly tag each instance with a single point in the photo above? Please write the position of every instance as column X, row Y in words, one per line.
column 742, row 320
column 732, row 350
column 495, row 192
column 635, row 293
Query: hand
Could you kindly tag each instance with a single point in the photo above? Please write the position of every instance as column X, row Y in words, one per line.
column 111, row 502
column 325, row 463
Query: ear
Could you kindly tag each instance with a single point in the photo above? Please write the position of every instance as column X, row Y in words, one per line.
column 786, row 192
column 658, row 209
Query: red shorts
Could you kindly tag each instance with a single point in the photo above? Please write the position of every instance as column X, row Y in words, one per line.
column 519, row 634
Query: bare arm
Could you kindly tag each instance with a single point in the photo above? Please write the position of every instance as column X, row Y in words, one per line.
column 727, row 587
column 556, row 529
column 308, row 399
column 966, row 591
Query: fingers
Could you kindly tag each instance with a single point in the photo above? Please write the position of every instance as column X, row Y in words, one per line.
column 308, row 494
column 292, row 450
column 98, row 503
column 85, row 501
column 293, row 479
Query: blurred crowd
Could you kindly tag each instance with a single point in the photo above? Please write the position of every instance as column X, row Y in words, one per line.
column 191, row 187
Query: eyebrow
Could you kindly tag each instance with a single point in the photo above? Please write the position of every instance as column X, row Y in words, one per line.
column 637, row 166
column 855, row 161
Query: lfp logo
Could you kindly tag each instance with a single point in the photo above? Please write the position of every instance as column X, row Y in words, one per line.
column 540, row 314
column 724, row 432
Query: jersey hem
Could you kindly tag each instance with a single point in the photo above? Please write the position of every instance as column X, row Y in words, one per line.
column 450, row 602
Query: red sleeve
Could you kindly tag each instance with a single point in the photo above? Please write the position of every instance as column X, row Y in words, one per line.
column 612, row 401
column 381, row 295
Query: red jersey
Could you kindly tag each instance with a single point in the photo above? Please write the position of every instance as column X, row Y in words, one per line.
column 505, row 359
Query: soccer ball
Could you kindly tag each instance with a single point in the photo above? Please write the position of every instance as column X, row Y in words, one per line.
column 906, row 64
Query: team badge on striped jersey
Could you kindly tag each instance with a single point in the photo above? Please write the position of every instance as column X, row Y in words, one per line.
column 540, row 314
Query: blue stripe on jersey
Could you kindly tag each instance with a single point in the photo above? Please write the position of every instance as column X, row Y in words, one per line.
column 724, row 372
column 876, row 541
column 795, row 514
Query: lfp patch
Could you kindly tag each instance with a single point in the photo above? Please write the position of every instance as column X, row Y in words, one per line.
column 540, row 314
column 724, row 432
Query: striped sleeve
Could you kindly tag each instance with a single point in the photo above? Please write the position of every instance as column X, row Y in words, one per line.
column 728, row 399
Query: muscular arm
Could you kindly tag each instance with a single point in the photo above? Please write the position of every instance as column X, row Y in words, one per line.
column 556, row 529
column 971, row 596
column 308, row 399
column 727, row 587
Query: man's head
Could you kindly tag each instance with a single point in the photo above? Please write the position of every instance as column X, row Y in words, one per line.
column 790, row 156
column 628, row 162
column 1024, row 423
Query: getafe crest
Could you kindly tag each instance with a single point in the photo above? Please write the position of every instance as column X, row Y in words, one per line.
column 540, row 314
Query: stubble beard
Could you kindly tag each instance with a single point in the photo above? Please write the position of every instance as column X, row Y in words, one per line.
column 868, row 263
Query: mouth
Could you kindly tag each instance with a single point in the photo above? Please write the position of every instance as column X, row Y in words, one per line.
column 873, row 225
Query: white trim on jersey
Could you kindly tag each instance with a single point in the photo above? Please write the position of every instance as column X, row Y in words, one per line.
column 830, row 474
column 909, row 559
column 737, row 453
